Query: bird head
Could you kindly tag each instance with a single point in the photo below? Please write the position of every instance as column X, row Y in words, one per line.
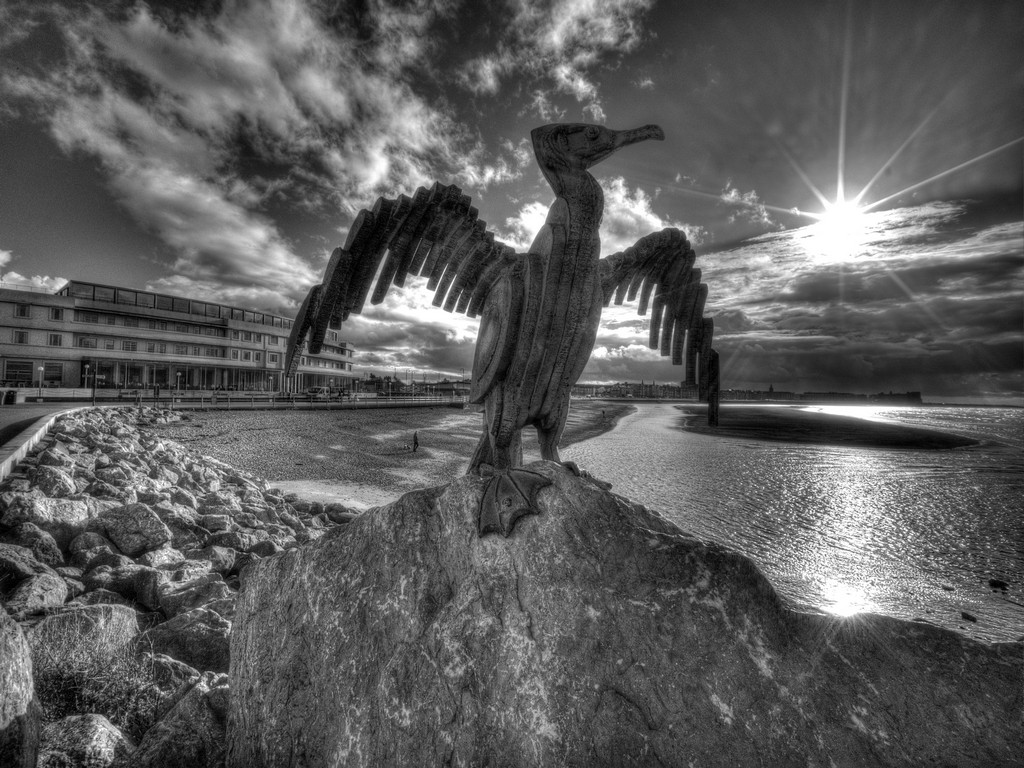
column 565, row 149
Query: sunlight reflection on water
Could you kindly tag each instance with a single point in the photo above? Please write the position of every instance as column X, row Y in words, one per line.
column 909, row 533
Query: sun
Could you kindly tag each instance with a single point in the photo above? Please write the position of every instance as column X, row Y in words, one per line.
column 838, row 233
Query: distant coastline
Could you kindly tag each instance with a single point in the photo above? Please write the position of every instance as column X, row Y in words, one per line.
column 790, row 423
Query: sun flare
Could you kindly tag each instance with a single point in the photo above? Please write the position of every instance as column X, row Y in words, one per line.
column 838, row 232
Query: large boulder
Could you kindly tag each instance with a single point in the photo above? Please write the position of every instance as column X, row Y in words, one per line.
column 19, row 712
column 26, row 585
column 597, row 634
column 135, row 528
column 61, row 518
column 90, row 741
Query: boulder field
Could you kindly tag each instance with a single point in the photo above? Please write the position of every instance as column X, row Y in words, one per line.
column 597, row 634
column 119, row 561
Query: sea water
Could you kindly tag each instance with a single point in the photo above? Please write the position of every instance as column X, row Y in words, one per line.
column 916, row 534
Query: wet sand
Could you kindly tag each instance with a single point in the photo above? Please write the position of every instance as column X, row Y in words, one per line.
column 792, row 424
column 362, row 458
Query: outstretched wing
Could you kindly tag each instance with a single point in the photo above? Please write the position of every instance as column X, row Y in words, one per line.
column 662, row 265
column 435, row 233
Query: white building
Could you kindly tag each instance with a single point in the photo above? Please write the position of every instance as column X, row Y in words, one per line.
column 110, row 337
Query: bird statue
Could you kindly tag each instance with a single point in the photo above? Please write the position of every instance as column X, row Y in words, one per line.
column 539, row 311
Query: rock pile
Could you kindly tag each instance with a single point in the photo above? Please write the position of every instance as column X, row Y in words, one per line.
column 119, row 550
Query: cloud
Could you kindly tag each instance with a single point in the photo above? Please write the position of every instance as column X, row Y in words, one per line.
column 560, row 42
column 202, row 124
column 748, row 206
column 629, row 215
column 43, row 283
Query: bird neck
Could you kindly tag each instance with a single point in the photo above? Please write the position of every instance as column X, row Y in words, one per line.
column 584, row 199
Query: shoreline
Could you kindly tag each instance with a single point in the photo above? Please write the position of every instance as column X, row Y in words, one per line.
column 362, row 458
column 791, row 424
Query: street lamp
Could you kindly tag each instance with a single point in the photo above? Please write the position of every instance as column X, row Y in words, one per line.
column 40, row 369
column 177, row 377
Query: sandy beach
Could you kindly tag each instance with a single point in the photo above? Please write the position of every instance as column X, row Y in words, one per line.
column 796, row 425
column 361, row 458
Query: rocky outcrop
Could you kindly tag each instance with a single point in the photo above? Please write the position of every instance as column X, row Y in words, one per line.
column 596, row 635
column 19, row 713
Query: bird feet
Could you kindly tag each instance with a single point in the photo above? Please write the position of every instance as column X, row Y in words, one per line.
column 509, row 495
column 573, row 467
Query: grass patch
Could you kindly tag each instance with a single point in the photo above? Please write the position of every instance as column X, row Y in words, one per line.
column 73, row 677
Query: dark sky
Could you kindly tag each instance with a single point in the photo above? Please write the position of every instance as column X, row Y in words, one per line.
column 222, row 149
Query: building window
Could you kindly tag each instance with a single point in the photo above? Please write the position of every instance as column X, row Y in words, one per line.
column 19, row 370
column 234, row 335
column 130, row 346
column 111, row 319
column 246, row 336
column 164, row 302
column 87, row 342
column 21, row 337
column 257, row 356
column 81, row 290
column 56, row 313
column 181, row 328
column 180, row 349
column 247, row 355
column 257, row 337
column 197, row 329
column 104, row 294
column 55, row 340
column 22, row 310
column 87, row 317
column 272, row 339
column 272, row 357
column 234, row 354
column 152, row 346
column 131, row 322
column 195, row 351
column 108, row 343
column 125, row 297
column 53, row 372
column 158, row 325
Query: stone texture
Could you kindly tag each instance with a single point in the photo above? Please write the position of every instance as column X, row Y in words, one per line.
column 54, row 481
column 36, row 594
column 83, row 741
column 135, row 528
column 596, row 635
column 194, row 594
column 19, row 713
column 198, row 637
column 191, row 734
column 37, row 541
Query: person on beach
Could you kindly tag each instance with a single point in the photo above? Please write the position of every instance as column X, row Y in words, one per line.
column 415, row 441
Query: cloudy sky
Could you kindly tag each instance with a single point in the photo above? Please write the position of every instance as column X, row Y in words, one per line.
column 222, row 149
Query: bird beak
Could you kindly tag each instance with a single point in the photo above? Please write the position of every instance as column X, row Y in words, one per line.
column 625, row 138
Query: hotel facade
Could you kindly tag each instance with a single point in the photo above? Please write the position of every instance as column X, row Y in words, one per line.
column 108, row 337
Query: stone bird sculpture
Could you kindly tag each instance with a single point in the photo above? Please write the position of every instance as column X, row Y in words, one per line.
column 539, row 310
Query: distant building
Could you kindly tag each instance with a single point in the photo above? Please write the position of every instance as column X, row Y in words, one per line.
column 87, row 334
